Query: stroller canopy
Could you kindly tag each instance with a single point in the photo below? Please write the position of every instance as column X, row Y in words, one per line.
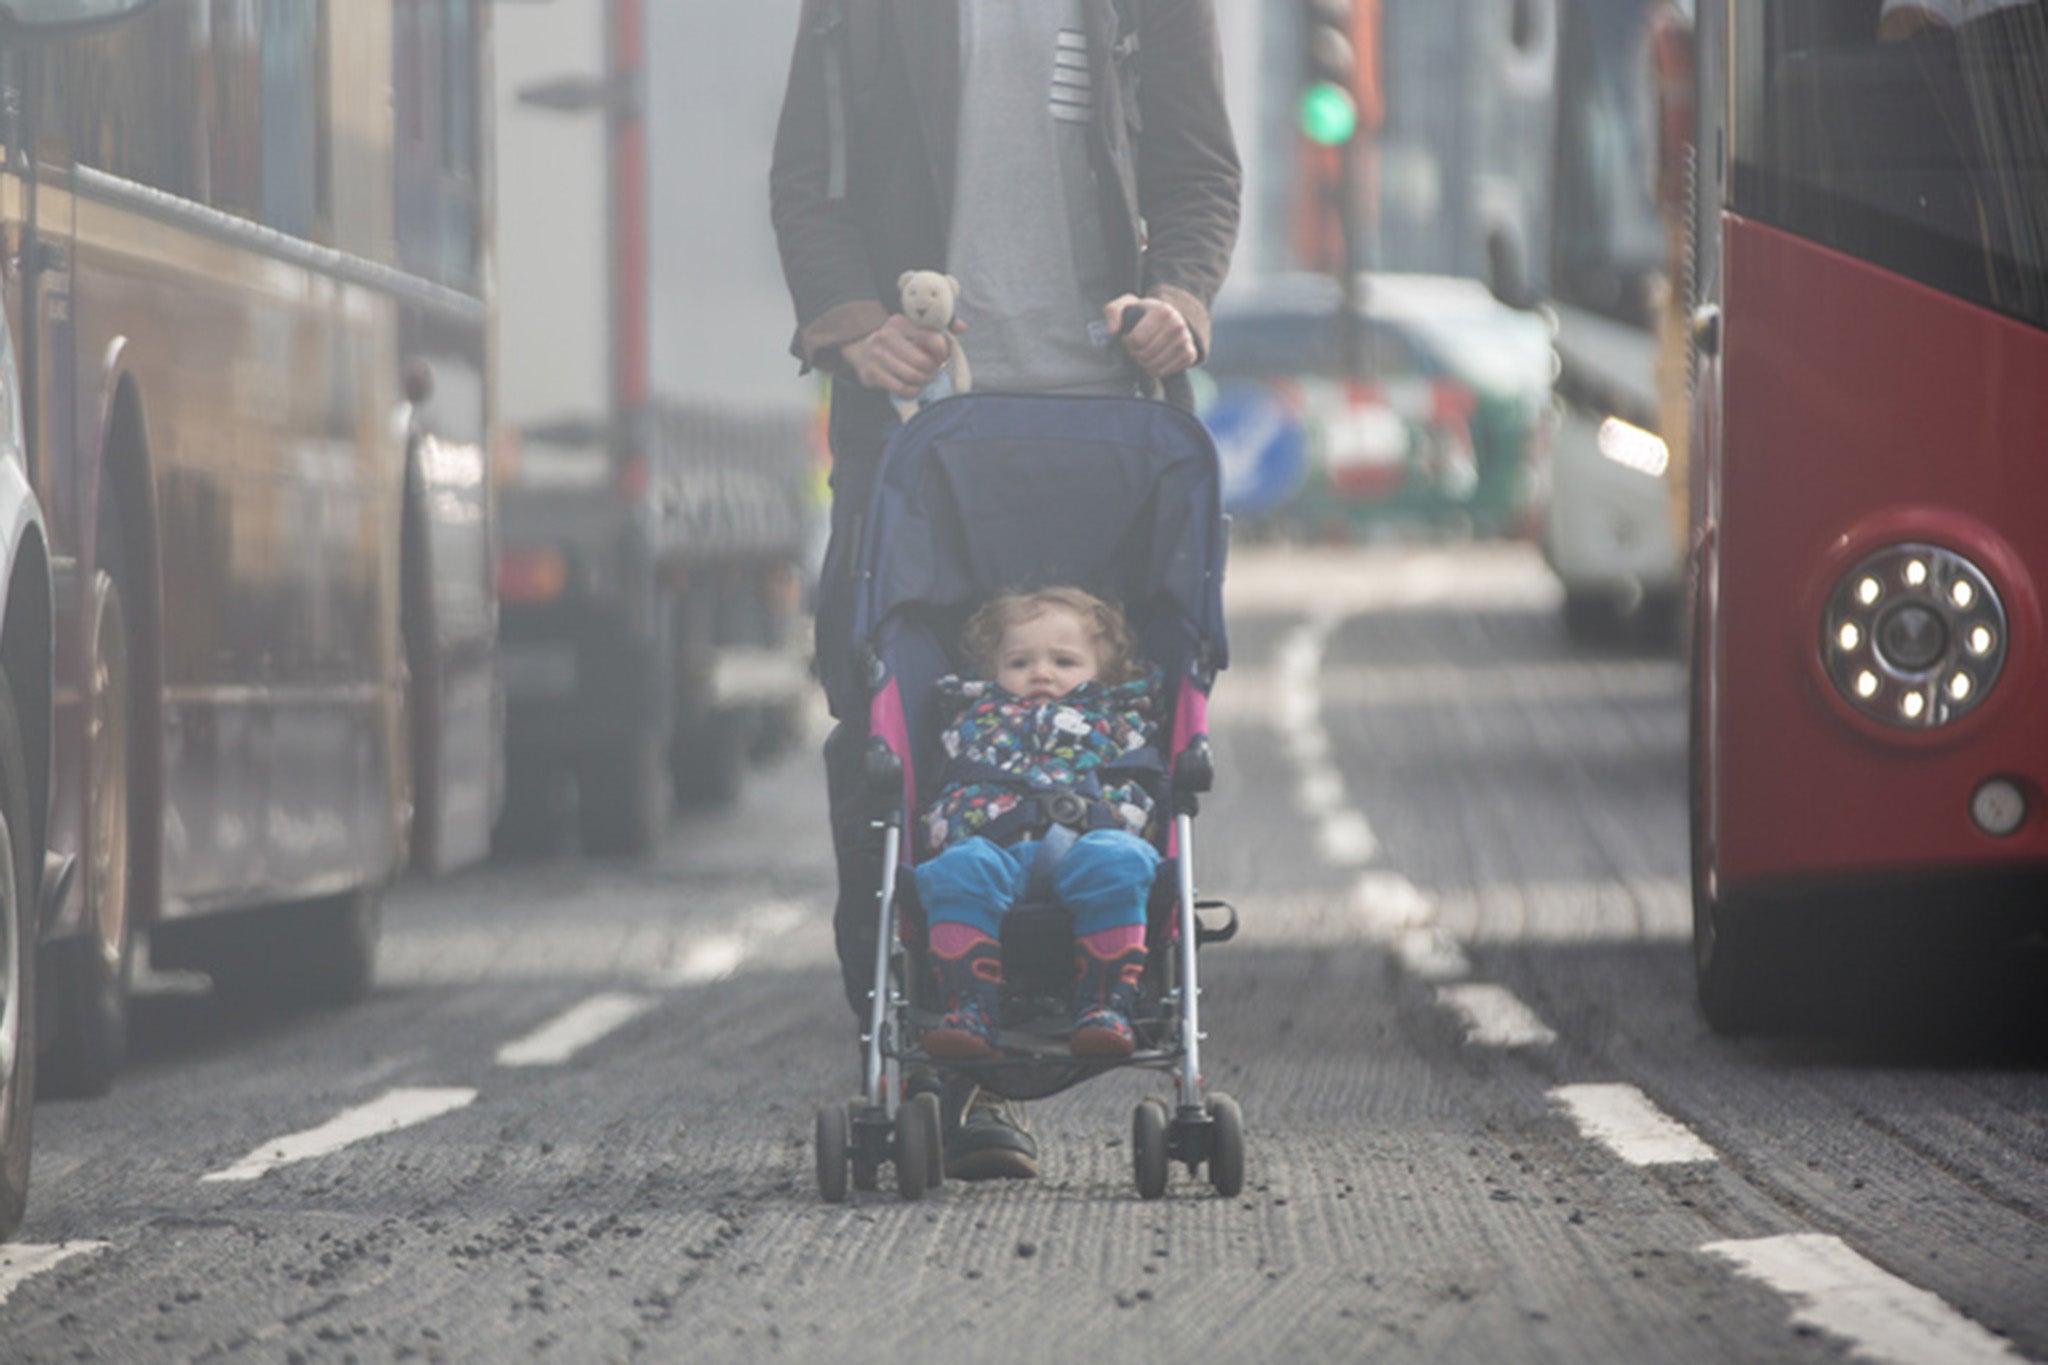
column 991, row 493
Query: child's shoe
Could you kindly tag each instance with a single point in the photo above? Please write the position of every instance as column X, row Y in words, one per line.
column 1102, row 1032
column 969, row 985
column 1105, row 993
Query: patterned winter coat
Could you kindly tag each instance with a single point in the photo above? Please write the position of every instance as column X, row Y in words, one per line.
column 1001, row 749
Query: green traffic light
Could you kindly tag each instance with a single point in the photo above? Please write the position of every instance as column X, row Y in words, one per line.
column 1329, row 116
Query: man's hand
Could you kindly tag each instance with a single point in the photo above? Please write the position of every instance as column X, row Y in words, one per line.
column 1161, row 343
column 899, row 356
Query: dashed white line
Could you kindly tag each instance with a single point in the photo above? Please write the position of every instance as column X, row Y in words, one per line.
column 394, row 1110
column 23, row 1261
column 1831, row 1287
column 1320, row 790
column 1344, row 839
column 719, row 956
column 710, row 959
column 1429, row 954
column 1625, row 1121
column 1882, row 1317
column 567, row 1034
column 1389, row 903
column 1494, row 1017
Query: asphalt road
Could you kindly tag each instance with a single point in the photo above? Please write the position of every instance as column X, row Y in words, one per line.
column 1484, row 1120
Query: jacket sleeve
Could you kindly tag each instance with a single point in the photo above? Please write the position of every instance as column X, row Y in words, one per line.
column 824, row 260
column 1189, row 179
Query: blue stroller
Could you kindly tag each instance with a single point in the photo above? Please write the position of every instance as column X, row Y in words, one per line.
column 975, row 496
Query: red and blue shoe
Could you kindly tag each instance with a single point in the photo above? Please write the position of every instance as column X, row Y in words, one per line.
column 970, row 984
column 966, row 1033
column 1105, row 993
column 1102, row 1032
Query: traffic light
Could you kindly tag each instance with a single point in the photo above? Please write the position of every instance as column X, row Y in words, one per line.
column 1329, row 97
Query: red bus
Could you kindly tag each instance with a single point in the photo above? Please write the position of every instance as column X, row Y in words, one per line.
column 249, row 311
column 1869, row 529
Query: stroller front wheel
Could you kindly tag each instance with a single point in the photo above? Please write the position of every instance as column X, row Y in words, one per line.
column 913, row 1150
column 832, row 1153
column 1148, row 1148
column 926, row 1102
column 1226, row 1146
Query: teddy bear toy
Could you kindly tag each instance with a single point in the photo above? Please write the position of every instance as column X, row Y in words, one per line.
column 929, row 298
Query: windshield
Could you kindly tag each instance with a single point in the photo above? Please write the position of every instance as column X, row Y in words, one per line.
column 1609, row 241
column 1912, row 135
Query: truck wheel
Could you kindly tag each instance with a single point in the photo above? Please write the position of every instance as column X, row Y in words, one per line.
column 17, row 971
column 534, row 820
column 707, row 762
column 320, row 952
column 91, row 974
column 623, row 800
column 1591, row 616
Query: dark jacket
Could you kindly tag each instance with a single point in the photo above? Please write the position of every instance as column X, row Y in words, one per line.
column 857, row 203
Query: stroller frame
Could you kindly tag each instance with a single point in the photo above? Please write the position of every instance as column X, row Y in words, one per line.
column 886, row 1125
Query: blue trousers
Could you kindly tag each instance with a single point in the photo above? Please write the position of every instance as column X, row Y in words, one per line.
column 1105, row 879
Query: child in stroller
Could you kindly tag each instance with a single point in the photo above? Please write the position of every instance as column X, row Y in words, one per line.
column 1042, row 795
column 976, row 497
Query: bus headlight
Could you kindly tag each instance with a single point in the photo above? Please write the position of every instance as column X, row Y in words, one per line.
column 1914, row 636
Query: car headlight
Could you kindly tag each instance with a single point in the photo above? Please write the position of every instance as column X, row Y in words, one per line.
column 1633, row 448
column 1914, row 636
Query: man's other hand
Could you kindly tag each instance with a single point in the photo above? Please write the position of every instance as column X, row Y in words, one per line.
column 899, row 356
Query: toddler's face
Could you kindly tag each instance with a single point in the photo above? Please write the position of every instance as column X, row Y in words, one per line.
column 1047, row 656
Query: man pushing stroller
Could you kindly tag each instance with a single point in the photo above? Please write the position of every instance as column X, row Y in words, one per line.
column 1064, row 161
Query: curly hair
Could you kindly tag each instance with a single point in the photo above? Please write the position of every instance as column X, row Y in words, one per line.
column 983, row 636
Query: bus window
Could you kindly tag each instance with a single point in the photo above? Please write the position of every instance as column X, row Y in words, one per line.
column 435, row 156
column 289, row 97
column 1927, row 156
column 1609, row 242
column 125, row 101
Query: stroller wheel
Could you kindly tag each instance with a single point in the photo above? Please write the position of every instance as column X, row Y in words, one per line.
column 913, row 1151
column 832, row 1153
column 867, row 1161
column 1226, row 1146
column 926, row 1103
column 1148, row 1148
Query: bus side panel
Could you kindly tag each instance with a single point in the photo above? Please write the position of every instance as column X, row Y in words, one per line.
column 269, row 392
column 1860, row 411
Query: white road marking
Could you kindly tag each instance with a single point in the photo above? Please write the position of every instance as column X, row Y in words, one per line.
column 710, row 959
column 1493, row 1017
column 1307, row 745
column 1625, row 1121
column 1429, row 954
column 1344, row 839
column 719, row 956
column 1389, row 903
column 567, row 1034
column 23, row 1261
column 1320, row 790
column 1882, row 1317
column 390, row 1112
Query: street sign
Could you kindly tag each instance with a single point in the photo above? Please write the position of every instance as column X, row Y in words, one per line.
column 1261, row 445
